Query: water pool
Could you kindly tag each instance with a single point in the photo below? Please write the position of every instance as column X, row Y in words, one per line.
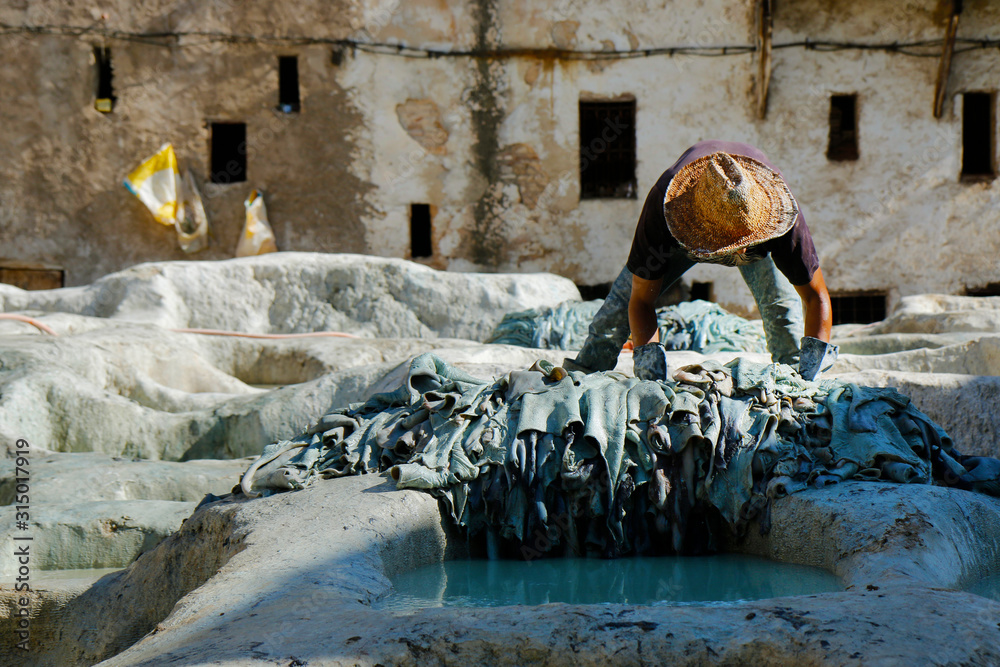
column 645, row 581
column 988, row 587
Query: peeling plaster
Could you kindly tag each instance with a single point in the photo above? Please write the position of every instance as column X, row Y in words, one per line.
column 520, row 163
column 422, row 121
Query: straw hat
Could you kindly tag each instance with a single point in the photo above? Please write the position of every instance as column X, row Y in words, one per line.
column 721, row 203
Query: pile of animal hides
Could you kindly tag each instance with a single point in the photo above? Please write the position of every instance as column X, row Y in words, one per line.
column 545, row 461
column 701, row 326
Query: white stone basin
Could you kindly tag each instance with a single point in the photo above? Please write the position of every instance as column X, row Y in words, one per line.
column 295, row 576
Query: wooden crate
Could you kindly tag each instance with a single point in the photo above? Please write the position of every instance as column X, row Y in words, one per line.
column 31, row 276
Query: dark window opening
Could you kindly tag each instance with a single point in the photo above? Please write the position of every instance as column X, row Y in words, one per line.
column 673, row 295
column 420, row 231
column 862, row 308
column 989, row 289
column 229, row 152
column 591, row 292
column 607, row 150
column 104, row 100
column 288, row 83
column 702, row 291
column 843, row 128
column 977, row 136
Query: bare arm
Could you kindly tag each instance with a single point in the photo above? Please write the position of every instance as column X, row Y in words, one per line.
column 816, row 302
column 642, row 311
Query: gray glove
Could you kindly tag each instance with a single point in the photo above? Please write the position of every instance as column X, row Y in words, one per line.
column 815, row 356
column 649, row 362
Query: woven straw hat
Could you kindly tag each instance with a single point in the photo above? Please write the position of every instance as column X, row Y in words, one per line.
column 721, row 203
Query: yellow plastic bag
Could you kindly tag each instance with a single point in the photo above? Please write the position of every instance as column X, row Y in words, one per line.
column 257, row 237
column 172, row 201
column 157, row 184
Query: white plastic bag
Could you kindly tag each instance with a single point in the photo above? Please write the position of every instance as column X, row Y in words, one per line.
column 257, row 237
column 192, row 225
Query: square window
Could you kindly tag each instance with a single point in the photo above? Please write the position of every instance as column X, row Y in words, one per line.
column 859, row 308
column 229, row 152
column 843, row 144
column 104, row 96
column 977, row 136
column 702, row 291
column 989, row 289
column 288, row 84
column 591, row 292
column 421, row 244
column 607, row 150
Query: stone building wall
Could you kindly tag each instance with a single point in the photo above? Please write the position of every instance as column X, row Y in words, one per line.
column 61, row 190
column 492, row 145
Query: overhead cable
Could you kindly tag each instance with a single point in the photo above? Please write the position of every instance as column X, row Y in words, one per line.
column 922, row 48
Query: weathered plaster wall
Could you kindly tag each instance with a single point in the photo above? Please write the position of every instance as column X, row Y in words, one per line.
column 61, row 176
column 897, row 219
column 532, row 201
column 493, row 145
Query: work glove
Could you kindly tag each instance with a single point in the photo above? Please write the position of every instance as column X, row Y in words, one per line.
column 649, row 362
column 815, row 356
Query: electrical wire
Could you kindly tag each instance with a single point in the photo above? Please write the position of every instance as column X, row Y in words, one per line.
column 920, row 49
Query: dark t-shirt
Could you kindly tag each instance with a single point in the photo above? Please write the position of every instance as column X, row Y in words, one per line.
column 653, row 247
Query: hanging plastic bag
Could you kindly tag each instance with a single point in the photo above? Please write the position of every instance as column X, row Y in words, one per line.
column 257, row 237
column 157, row 184
column 172, row 201
column 192, row 226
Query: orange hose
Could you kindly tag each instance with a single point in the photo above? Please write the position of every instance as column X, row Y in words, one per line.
column 240, row 334
column 206, row 332
column 28, row 320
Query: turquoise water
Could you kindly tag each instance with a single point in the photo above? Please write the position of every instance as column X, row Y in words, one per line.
column 988, row 587
column 645, row 581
